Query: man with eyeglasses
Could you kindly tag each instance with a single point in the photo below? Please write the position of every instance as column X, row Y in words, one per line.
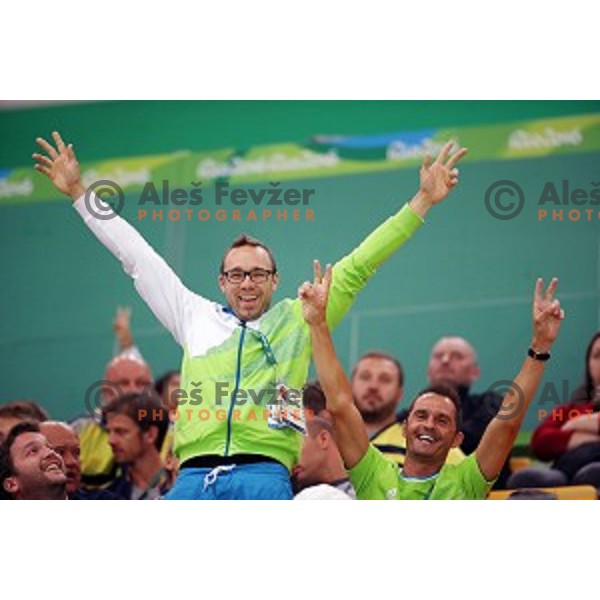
column 238, row 430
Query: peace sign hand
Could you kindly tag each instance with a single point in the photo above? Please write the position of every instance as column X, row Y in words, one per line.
column 314, row 295
column 547, row 316
column 439, row 177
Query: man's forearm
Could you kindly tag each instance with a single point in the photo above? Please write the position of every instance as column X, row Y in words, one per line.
column 505, row 426
column 420, row 205
column 501, row 433
column 350, row 431
column 526, row 383
column 330, row 373
column 77, row 191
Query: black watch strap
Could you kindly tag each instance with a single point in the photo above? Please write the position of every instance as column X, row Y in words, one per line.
column 543, row 356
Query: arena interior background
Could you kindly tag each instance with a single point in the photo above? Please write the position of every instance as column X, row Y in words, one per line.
column 464, row 273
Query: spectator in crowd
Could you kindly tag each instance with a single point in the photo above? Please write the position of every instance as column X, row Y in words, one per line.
column 320, row 461
column 137, row 425
column 64, row 441
column 255, row 457
column 29, row 468
column 167, row 387
column 132, row 375
column 18, row 411
column 377, row 388
column 434, row 417
column 570, row 435
column 453, row 360
column 126, row 373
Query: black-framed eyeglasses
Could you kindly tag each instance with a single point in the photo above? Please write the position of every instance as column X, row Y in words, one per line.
column 239, row 275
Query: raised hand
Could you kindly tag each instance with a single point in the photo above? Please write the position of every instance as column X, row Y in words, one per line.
column 439, row 177
column 547, row 315
column 60, row 166
column 314, row 295
column 122, row 328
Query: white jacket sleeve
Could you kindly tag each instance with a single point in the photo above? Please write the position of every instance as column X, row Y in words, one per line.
column 154, row 280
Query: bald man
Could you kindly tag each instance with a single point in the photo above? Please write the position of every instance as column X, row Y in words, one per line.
column 63, row 440
column 131, row 374
column 454, row 360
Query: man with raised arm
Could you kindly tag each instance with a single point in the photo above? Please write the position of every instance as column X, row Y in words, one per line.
column 245, row 356
column 432, row 426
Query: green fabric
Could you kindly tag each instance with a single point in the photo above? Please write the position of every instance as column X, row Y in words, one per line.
column 214, row 426
column 377, row 478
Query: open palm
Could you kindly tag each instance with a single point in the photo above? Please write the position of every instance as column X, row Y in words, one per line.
column 59, row 165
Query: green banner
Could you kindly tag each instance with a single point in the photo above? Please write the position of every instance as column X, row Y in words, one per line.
column 322, row 156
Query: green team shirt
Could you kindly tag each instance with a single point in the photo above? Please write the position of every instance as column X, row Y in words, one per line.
column 378, row 478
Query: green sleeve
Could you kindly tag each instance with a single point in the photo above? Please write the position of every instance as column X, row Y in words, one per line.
column 374, row 477
column 473, row 483
column 352, row 272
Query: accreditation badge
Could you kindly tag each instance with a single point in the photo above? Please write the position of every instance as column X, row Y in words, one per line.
column 287, row 410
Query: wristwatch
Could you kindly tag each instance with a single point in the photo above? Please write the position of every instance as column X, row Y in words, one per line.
column 543, row 356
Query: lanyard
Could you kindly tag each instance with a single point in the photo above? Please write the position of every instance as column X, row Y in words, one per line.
column 264, row 342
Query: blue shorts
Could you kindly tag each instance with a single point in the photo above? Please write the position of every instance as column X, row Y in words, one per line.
column 255, row 481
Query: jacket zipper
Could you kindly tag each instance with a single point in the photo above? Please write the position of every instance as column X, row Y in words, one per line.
column 238, row 375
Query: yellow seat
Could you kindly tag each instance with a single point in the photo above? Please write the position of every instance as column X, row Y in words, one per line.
column 569, row 492
column 519, row 462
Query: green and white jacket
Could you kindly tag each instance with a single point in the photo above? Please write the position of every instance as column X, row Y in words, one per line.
column 223, row 355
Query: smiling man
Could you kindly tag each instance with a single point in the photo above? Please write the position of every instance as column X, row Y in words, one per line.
column 29, row 468
column 247, row 345
column 434, row 417
column 248, row 277
column 377, row 387
column 64, row 441
column 453, row 360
